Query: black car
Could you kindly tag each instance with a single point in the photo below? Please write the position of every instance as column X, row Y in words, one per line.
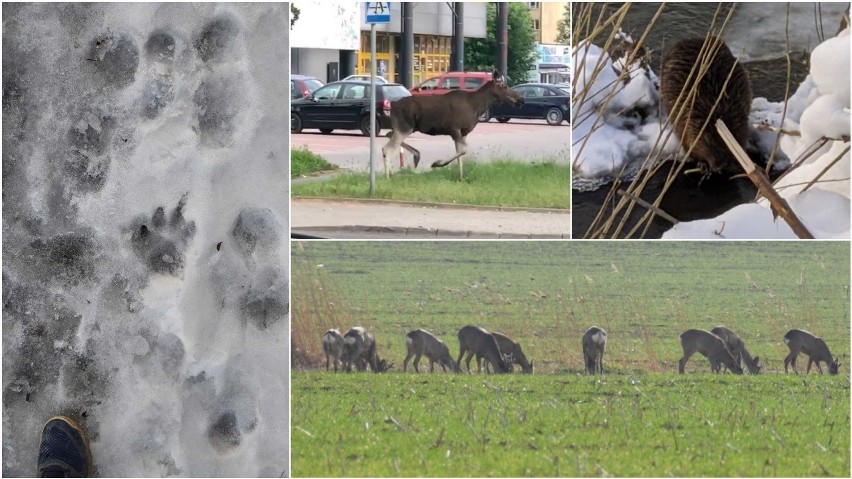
column 541, row 100
column 344, row 105
column 302, row 86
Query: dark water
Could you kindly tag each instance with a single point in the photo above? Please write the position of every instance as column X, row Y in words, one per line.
column 687, row 199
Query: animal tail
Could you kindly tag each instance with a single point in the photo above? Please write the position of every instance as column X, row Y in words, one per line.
column 328, row 338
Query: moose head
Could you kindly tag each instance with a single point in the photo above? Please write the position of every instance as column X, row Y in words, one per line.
column 500, row 92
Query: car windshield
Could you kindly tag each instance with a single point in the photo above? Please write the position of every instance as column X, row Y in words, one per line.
column 565, row 89
column 313, row 85
column 395, row 92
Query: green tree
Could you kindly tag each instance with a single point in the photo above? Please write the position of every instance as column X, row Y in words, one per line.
column 480, row 53
column 294, row 14
column 562, row 28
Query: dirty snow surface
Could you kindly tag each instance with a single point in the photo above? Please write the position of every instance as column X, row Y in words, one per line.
column 145, row 225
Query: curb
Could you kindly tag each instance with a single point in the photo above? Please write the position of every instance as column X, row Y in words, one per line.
column 422, row 204
column 418, row 232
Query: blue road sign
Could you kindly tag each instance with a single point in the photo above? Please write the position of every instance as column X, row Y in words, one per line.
column 378, row 12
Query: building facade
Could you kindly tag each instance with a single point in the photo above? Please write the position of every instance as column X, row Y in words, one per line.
column 329, row 34
column 545, row 16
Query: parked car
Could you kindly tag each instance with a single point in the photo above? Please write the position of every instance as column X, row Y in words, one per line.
column 541, row 100
column 302, row 86
column 365, row 78
column 344, row 105
column 451, row 81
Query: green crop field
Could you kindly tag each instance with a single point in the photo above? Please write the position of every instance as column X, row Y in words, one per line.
column 641, row 419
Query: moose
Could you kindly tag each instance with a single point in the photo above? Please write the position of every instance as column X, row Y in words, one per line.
column 360, row 349
column 455, row 114
column 512, row 354
column 421, row 342
column 594, row 345
column 737, row 347
column 708, row 344
column 800, row 341
column 476, row 341
column 332, row 346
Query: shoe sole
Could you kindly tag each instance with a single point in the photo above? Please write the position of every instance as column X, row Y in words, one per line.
column 76, row 426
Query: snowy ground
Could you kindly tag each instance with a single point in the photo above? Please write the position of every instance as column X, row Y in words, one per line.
column 145, row 274
column 629, row 130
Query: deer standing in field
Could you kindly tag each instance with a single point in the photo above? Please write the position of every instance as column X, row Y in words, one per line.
column 421, row 342
column 708, row 344
column 737, row 347
column 594, row 345
column 360, row 349
column 476, row 341
column 512, row 354
column 800, row 341
column 455, row 113
column 332, row 346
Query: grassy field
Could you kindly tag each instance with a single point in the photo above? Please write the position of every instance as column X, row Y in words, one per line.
column 304, row 161
column 499, row 183
column 545, row 294
column 365, row 425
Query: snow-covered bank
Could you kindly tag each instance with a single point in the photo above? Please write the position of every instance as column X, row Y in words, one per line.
column 617, row 128
column 145, row 275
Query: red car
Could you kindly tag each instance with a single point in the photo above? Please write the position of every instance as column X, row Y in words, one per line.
column 452, row 81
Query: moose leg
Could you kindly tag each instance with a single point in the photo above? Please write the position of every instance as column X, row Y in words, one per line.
column 461, row 149
column 405, row 361
column 414, row 151
column 467, row 360
column 458, row 362
column 391, row 148
column 326, row 361
column 791, row 358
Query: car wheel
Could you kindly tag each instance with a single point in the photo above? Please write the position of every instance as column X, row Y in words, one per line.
column 365, row 125
column 295, row 123
column 485, row 116
column 554, row 116
column 503, row 119
column 326, row 131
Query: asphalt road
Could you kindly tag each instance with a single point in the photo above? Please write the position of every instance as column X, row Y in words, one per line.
column 519, row 140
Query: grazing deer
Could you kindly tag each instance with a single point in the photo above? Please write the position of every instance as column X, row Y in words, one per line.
column 594, row 345
column 737, row 347
column 476, row 341
column 455, row 113
column 360, row 349
column 800, row 341
column 512, row 354
column 332, row 345
column 708, row 344
column 420, row 342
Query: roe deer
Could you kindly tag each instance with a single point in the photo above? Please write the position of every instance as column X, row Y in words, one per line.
column 332, row 346
column 420, row 342
column 360, row 349
column 737, row 347
column 713, row 347
column 476, row 341
column 512, row 354
column 594, row 345
column 800, row 341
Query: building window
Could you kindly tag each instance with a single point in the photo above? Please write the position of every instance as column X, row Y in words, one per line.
column 533, row 5
column 536, row 25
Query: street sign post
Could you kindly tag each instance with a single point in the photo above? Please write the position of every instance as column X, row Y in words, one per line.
column 376, row 12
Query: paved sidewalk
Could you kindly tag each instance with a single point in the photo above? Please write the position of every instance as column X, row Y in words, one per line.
column 381, row 219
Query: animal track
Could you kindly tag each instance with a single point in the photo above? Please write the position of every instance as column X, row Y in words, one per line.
column 160, row 54
column 161, row 245
column 218, row 102
column 88, row 162
column 257, row 230
column 216, row 40
column 116, row 57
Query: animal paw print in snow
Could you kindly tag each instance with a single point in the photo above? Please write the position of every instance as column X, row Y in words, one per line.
column 161, row 244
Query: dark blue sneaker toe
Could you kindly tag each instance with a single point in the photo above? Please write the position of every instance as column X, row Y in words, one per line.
column 64, row 450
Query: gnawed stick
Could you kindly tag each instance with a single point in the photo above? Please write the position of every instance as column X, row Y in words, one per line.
column 779, row 205
column 651, row 207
